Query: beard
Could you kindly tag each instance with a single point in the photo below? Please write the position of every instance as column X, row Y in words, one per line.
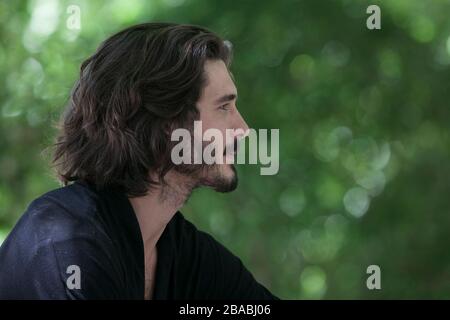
column 220, row 177
column 219, row 180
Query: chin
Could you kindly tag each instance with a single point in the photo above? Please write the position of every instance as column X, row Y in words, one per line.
column 229, row 179
column 223, row 179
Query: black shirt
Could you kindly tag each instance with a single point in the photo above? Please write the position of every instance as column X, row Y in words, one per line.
column 97, row 231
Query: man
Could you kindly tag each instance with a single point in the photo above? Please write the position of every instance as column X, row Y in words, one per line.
column 115, row 232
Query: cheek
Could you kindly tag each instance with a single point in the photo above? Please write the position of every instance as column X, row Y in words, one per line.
column 210, row 121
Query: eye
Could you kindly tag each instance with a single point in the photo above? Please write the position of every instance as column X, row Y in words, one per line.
column 225, row 107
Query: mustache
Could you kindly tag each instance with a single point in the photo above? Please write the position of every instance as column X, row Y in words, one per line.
column 233, row 147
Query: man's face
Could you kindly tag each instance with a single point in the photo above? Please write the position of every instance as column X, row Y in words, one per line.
column 217, row 108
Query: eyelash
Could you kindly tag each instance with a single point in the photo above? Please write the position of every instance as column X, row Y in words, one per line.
column 225, row 107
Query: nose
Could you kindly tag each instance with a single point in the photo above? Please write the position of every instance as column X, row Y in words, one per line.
column 241, row 128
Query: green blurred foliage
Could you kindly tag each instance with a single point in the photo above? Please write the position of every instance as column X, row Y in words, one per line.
column 363, row 117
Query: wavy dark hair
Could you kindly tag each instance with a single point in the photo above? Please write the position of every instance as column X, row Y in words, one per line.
column 138, row 86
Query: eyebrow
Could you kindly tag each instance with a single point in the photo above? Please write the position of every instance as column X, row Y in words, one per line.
column 226, row 98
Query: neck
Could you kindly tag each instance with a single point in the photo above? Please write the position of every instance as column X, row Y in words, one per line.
column 155, row 209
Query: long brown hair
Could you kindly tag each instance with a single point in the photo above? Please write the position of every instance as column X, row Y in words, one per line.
column 140, row 84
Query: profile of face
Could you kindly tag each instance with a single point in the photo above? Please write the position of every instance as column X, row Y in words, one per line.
column 218, row 110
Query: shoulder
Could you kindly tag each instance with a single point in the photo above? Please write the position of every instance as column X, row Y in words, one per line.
column 57, row 215
column 57, row 230
column 209, row 269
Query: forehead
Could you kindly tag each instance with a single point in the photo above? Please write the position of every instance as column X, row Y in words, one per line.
column 218, row 81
